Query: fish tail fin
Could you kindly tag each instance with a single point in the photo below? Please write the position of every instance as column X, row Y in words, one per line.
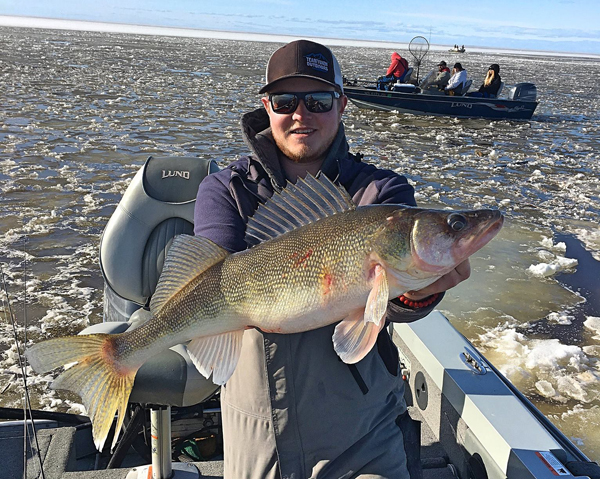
column 103, row 384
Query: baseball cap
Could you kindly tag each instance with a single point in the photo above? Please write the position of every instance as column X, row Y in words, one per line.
column 441, row 64
column 304, row 59
column 458, row 65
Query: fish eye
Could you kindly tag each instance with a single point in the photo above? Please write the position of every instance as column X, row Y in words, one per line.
column 457, row 222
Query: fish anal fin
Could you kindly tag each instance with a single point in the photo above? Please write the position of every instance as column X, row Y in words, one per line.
column 353, row 337
column 187, row 257
column 217, row 354
column 377, row 302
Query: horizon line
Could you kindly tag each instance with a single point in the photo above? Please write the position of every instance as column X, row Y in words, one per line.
column 50, row 23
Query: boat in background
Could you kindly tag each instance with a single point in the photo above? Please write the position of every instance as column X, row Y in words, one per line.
column 519, row 102
column 457, row 49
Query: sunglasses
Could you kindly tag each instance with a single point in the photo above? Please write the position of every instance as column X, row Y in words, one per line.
column 315, row 101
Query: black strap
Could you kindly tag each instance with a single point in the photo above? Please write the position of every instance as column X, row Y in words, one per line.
column 358, row 378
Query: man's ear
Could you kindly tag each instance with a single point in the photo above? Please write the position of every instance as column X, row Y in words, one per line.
column 265, row 102
column 343, row 102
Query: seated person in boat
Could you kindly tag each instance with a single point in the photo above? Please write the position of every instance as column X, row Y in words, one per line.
column 292, row 408
column 491, row 84
column 457, row 80
column 395, row 72
column 441, row 78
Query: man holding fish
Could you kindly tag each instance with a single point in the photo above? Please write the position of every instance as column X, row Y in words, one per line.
column 283, row 295
column 292, row 408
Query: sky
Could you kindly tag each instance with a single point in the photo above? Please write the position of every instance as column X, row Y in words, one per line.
column 547, row 25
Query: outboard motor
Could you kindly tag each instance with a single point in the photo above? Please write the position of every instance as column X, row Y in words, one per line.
column 523, row 92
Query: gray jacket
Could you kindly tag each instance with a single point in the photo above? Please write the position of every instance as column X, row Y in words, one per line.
column 292, row 408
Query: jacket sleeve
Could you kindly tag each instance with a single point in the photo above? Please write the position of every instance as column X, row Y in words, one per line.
column 392, row 67
column 216, row 215
column 399, row 313
column 453, row 82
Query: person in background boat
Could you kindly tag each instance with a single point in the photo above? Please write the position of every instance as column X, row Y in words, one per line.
column 292, row 408
column 491, row 84
column 441, row 78
column 396, row 72
column 457, row 80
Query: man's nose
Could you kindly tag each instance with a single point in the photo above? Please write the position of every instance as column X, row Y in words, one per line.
column 301, row 110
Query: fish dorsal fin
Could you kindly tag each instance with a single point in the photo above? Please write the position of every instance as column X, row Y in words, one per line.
column 187, row 257
column 297, row 205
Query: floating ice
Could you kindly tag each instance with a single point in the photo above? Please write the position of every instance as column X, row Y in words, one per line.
column 548, row 243
column 545, row 388
column 547, row 364
column 559, row 264
column 593, row 323
column 560, row 318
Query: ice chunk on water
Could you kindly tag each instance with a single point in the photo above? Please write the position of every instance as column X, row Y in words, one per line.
column 560, row 318
column 542, row 270
column 569, row 386
column 593, row 323
column 549, row 244
column 560, row 263
column 545, row 388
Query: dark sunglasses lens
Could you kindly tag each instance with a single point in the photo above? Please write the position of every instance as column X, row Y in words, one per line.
column 284, row 102
column 319, row 102
column 316, row 102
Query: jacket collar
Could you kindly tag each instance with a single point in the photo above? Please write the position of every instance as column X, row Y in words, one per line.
column 257, row 136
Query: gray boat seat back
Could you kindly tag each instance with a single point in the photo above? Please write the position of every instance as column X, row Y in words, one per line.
column 466, row 87
column 500, row 89
column 157, row 205
column 407, row 76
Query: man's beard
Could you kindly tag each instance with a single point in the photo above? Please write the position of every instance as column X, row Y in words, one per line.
column 304, row 154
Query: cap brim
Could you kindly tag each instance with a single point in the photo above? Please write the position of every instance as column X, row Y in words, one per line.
column 266, row 88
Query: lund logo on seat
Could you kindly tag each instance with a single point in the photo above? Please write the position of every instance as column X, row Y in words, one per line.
column 172, row 174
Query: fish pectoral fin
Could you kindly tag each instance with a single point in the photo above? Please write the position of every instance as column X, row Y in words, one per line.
column 218, row 355
column 353, row 337
column 378, row 297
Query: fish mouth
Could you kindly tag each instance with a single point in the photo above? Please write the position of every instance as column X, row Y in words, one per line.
column 471, row 243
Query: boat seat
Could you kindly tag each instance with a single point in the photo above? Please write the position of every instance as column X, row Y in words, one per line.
column 466, row 87
column 407, row 75
column 157, row 205
column 500, row 89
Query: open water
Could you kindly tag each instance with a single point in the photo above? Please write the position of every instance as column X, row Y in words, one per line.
column 80, row 112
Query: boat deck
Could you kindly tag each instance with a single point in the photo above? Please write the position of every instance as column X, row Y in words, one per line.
column 68, row 453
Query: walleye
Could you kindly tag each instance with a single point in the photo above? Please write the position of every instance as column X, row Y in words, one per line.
column 315, row 259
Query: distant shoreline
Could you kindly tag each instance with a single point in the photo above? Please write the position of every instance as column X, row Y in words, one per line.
column 109, row 27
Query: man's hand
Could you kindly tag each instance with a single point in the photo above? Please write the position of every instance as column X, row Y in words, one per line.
column 449, row 280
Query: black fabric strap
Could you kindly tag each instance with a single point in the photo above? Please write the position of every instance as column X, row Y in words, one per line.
column 358, row 378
